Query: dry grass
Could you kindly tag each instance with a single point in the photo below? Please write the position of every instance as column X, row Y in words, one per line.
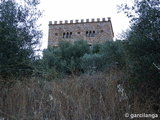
column 86, row 97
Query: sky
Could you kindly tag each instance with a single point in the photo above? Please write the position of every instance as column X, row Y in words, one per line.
column 57, row 10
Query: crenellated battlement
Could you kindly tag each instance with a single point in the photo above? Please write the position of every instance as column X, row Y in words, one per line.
column 80, row 21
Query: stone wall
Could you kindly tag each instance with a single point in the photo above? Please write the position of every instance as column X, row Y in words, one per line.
column 94, row 31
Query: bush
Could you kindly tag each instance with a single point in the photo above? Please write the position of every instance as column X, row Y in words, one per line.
column 65, row 59
column 92, row 62
column 142, row 46
column 113, row 54
column 78, row 58
column 19, row 36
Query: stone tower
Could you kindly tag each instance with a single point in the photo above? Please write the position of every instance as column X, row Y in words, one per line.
column 94, row 31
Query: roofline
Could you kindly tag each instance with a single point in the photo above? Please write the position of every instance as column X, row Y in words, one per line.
column 77, row 21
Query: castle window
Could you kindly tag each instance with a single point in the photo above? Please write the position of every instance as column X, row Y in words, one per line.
column 90, row 34
column 67, row 35
column 56, row 34
column 64, row 35
column 78, row 32
column 93, row 34
column 87, row 34
column 70, row 35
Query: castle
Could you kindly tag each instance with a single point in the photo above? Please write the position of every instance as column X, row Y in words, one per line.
column 94, row 31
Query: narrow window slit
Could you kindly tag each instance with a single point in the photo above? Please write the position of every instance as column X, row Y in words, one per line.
column 64, row 35
column 70, row 34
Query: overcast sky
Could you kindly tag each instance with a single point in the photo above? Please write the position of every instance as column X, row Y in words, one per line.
column 56, row 10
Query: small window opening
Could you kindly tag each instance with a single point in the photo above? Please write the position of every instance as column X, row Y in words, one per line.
column 90, row 34
column 67, row 35
column 70, row 34
column 86, row 33
column 93, row 34
column 56, row 34
column 64, row 35
column 78, row 32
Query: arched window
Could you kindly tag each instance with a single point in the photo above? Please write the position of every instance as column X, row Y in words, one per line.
column 78, row 32
column 93, row 35
column 64, row 35
column 67, row 35
column 70, row 34
column 87, row 34
column 90, row 34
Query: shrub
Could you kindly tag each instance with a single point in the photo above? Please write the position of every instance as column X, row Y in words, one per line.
column 142, row 46
column 113, row 53
column 19, row 36
column 65, row 59
column 92, row 62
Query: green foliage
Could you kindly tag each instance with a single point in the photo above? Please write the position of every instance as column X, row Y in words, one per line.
column 105, row 56
column 76, row 50
column 96, row 48
column 78, row 57
column 113, row 53
column 143, row 43
column 71, row 53
column 92, row 62
column 52, row 63
column 19, row 36
column 65, row 59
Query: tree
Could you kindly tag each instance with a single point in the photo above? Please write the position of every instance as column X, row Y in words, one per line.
column 143, row 43
column 65, row 59
column 113, row 53
column 73, row 52
column 19, row 35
